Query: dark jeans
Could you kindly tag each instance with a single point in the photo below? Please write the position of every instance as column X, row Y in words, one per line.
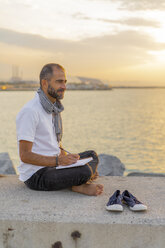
column 50, row 178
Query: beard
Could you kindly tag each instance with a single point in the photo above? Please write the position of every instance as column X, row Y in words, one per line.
column 54, row 93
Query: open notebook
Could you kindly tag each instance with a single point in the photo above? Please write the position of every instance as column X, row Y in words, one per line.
column 79, row 162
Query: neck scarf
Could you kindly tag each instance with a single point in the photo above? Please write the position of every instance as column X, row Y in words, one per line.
column 54, row 109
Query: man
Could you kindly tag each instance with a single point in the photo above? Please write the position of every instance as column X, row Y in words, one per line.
column 39, row 134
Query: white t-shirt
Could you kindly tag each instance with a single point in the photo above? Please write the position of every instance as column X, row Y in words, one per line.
column 34, row 124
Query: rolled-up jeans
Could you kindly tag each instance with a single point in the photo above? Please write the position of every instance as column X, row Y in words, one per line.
column 50, row 178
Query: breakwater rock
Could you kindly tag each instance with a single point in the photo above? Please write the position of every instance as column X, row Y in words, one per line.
column 110, row 166
column 143, row 174
column 6, row 165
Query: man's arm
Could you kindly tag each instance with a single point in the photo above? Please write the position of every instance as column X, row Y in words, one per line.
column 29, row 157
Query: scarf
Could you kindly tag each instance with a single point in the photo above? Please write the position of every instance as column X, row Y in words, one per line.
column 54, row 109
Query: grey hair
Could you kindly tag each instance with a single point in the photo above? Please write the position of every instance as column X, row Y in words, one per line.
column 47, row 71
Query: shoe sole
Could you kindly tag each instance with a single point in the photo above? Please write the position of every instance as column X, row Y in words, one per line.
column 138, row 207
column 115, row 207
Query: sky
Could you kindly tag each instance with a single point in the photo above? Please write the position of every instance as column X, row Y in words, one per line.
column 112, row 40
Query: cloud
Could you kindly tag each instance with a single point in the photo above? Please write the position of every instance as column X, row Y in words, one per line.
column 32, row 41
column 134, row 21
column 79, row 15
column 144, row 4
column 141, row 4
column 127, row 38
column 95, row 56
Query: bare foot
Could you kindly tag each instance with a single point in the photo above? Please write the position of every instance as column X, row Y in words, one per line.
column 89, row 189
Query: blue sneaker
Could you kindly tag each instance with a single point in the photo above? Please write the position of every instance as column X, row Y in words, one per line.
column 133, row 203
column 114, row 203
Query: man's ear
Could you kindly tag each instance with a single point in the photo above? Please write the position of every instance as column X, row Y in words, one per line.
column 44, row 83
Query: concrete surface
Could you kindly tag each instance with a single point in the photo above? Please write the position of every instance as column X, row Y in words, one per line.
column 43, row 219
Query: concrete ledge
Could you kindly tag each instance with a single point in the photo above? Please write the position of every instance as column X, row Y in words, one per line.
column 38, row 219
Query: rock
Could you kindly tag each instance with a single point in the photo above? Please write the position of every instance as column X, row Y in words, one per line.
column 143, row 174
column 6, row 165
column 110, row 166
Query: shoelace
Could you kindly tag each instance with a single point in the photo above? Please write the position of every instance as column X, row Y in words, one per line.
column 114, row 201
column 131, row 200
column 136, row 200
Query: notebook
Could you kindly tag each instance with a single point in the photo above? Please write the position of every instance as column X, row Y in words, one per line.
column 79, row 162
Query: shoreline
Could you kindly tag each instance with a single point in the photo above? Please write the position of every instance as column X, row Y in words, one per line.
column 78, row 89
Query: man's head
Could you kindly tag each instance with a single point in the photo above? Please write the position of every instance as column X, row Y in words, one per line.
column 53, row 81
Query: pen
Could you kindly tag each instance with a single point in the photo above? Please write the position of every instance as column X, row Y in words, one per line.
column 64, row 150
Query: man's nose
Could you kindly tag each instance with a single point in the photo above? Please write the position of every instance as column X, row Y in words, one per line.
column 63, row 86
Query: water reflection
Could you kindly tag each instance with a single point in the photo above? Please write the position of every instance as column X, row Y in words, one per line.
column 129, row 124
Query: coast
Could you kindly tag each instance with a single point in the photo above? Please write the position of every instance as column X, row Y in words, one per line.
column 33, row 86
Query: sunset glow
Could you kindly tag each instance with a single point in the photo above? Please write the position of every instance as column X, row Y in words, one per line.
column 110, row 39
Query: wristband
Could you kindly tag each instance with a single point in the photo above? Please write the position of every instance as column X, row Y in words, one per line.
column 56, row 160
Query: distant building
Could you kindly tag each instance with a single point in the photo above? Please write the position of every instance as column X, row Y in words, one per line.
column 84, row 83
column 15, row 74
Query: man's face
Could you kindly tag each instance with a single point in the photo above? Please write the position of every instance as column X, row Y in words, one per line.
column 57, row 84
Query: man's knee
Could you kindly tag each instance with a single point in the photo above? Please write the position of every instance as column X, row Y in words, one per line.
column 31, row 186
column 94, row 155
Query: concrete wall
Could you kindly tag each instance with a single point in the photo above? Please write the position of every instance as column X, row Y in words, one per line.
column 15, row 234
column 41, row 219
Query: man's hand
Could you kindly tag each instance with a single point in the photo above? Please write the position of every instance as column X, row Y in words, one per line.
column 68, row 159
column 63, row 152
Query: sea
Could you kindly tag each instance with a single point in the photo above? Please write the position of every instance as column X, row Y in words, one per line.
column 126, row 123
